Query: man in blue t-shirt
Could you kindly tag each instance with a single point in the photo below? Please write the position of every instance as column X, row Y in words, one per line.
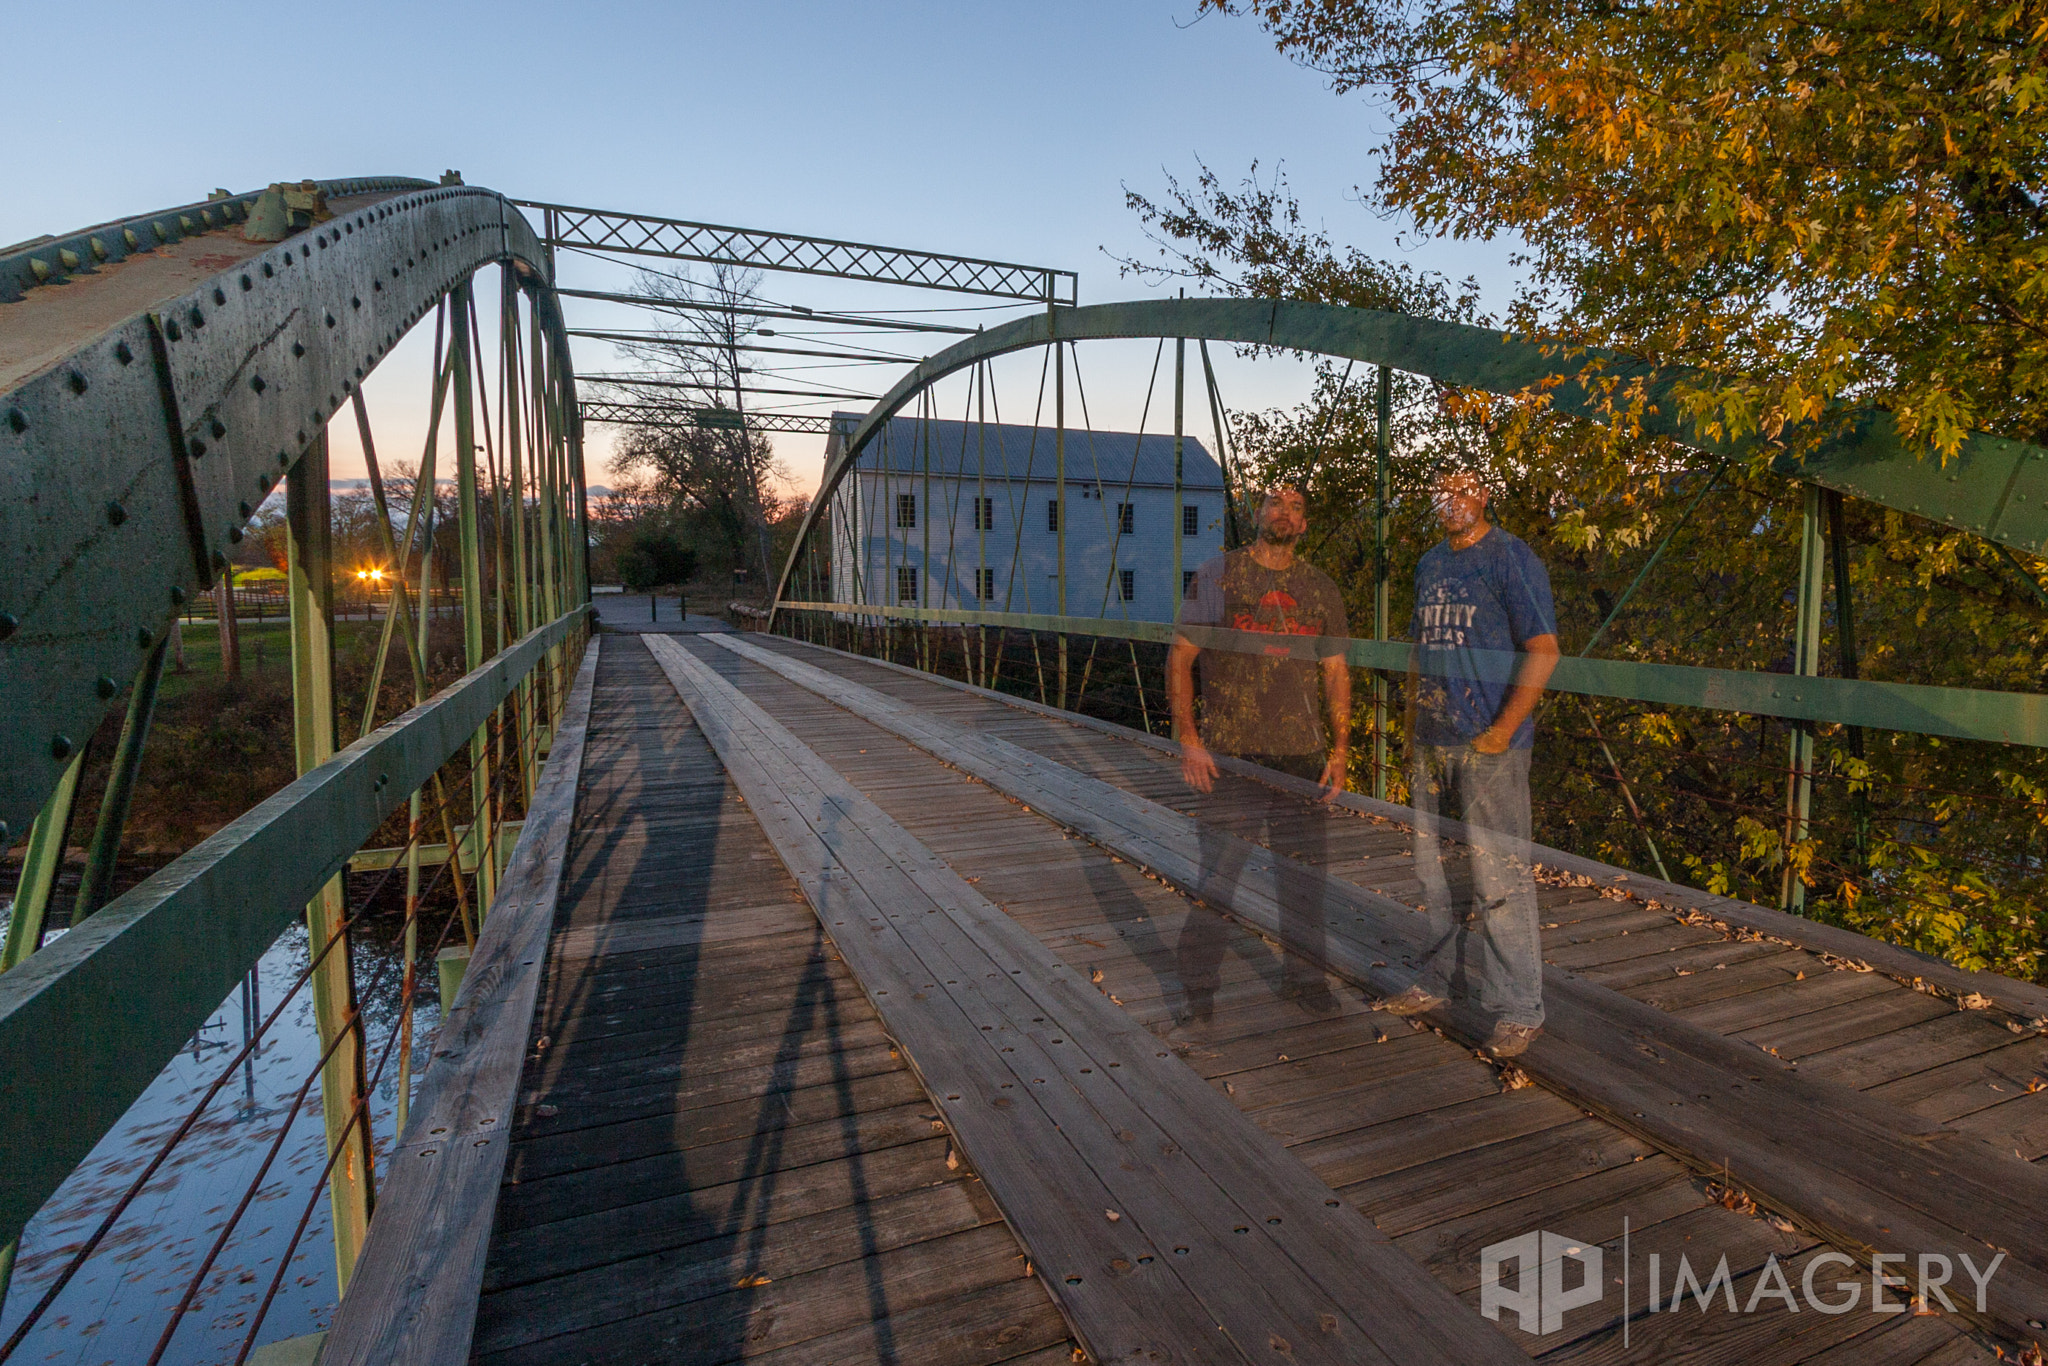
column 1485, row 645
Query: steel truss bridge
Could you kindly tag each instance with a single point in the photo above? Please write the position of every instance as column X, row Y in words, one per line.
column 809, row 1006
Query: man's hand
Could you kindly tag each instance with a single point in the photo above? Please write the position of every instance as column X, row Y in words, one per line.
column 1335, row 773
column 1493, row 740
column 1197, row 768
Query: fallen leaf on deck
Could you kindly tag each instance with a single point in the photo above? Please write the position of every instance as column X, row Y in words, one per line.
column 1513, row 1078
column 1092, row 943
column 748, row 1282
column 1111, row 1215
column 1095, row 974
column 952, row 1160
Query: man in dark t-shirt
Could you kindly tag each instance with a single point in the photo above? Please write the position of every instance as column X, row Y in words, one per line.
column 1485, row 643
column 1264, row 703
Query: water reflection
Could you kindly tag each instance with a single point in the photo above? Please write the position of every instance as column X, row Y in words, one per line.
column 115, row 1308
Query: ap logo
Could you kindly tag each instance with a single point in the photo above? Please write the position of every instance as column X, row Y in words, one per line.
column 1539, row 1296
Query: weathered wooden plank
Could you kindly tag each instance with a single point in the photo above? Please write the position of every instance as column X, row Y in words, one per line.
column 1360, row 1154
column 754, row 1319
column 1871, row 1062
column 626, row 1287
column 414, row 1294
column 566, row 1196
column 1137, row 1090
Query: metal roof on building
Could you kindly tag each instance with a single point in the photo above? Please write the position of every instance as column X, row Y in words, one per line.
column 1014, row 451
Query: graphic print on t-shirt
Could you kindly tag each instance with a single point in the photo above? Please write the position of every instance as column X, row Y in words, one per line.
column 1275, row 614
column 1446, row 618
column 1263, row 701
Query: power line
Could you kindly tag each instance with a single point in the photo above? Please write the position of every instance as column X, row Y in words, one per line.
column 654, row 339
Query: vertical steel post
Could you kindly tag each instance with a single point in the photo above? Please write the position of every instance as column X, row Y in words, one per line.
column 1059, row 474
column 96, row 886
column 1805, row 664
column 1231, row 539
column 924, row 523
column 509, row 403
column 983, row 522
column 310, row 588
column 480, row 803
column 40, row 864
column 1180, row 398
column 1383, row 408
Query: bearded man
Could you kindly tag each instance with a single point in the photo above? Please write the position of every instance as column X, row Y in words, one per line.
column 1265, row 705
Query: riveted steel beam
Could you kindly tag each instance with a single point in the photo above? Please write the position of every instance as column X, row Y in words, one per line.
column 57, row 260
column 1993, row 487
column 89, row 1021
column 130, row 464
column 635, row 234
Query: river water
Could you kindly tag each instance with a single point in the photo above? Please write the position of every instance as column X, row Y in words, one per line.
column 115, row 1308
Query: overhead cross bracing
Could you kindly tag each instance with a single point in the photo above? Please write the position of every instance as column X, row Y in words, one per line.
column 678, row 239
column 681, row 415
column 701, row 351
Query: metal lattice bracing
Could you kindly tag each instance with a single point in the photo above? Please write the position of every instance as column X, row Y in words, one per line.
column 658, row 415
column 632, row 234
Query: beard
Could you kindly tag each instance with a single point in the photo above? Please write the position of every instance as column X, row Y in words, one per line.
column 1272, row 535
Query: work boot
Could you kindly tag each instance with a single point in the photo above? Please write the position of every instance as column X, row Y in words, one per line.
column 1414, row 1001
column 1511, row 1040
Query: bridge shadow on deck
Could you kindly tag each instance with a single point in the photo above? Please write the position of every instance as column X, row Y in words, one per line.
column 718, row 1155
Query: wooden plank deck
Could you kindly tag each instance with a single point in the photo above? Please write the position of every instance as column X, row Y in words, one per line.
column 1166, row 1226
column 1396, row 1119
column 718, row 1155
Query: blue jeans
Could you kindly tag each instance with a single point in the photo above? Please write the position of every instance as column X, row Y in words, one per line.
column 1483, row 945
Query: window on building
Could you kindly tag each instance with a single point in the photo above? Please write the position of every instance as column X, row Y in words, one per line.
column 1190, row 520
column 906, row 584
column 984, row 514
column 1127, row 584
column 985, row 584
column 1187, row 583
column 906, row 509
column 1052, row 514
column 1126, row 518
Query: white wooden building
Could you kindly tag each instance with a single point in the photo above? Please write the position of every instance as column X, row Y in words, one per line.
column 964, row 514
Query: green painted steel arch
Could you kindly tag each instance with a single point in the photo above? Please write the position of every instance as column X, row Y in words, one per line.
column 136, row 446
column 1993, row 487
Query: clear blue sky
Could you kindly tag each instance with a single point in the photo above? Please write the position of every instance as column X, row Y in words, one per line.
column 1002, row 130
